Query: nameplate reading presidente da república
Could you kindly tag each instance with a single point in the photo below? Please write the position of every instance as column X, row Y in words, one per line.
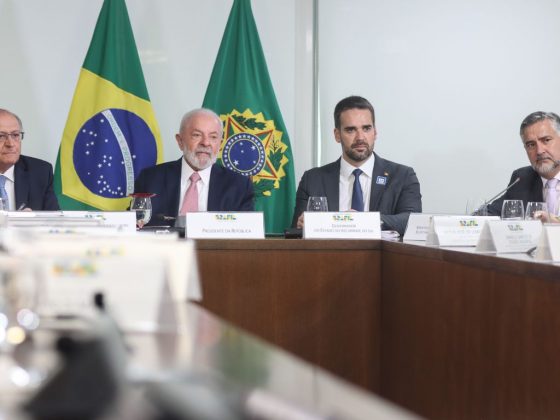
column 215, row 225
column 456, row 230
column 503, row 236
column 342, row 225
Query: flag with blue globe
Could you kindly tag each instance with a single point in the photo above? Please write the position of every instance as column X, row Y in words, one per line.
column 111, row 133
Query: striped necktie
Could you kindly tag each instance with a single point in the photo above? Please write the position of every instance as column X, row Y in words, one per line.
column 4, row 193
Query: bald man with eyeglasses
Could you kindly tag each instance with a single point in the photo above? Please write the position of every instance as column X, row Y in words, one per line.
column 25, row 182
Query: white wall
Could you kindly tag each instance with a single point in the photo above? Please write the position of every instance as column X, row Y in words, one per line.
column 451, row 82
column 43, row 45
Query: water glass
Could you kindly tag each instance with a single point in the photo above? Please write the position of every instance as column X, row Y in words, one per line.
column 142, row 205
column 513, row 210
column 535, row 211
column 317, row 204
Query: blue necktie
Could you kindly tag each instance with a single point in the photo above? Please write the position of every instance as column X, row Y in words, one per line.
column 3, row 193
column 357, row 196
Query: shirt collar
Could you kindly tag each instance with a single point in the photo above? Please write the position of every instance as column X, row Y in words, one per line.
column 367, row 167
column 187, row 171
column 9, row 174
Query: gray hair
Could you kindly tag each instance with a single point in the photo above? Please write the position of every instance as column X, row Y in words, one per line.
column 538, row 116
column 6, row 112
column 189, row 115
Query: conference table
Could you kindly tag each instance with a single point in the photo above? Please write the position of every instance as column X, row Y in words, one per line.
column 446, row 333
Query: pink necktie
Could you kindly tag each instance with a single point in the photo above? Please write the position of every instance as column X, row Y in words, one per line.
column 190, row 200
column 551, row 195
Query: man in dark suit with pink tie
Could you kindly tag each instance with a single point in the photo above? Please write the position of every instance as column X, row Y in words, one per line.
column 195, row 182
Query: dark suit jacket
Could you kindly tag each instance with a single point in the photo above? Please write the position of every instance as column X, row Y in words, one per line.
column 34, row 184
column 228, row 191
column 529, row 188
column 395, row 200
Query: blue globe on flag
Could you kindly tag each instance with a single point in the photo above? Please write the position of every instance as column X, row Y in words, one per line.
column 111, row 149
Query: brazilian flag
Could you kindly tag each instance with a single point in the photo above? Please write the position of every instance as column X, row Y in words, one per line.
column 255, row 142
column 111, row 133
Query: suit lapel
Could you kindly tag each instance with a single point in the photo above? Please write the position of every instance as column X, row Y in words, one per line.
column 536, row 192
column 332, row 182
column 173, row 187
column 213, row 191
column 21, row 185
column 377, row 190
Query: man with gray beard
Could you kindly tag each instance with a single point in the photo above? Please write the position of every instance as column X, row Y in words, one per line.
column 540, row 134
column 361, row 180
column 195, row 182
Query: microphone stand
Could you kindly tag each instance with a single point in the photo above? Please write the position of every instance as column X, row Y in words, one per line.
column 482, row 210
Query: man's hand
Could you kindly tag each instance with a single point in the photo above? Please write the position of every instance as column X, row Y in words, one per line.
column 300, row 221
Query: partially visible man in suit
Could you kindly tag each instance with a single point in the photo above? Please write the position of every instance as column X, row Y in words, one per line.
column 361, row 179
column 25, row 182
column 195, row 182
column 540, row 134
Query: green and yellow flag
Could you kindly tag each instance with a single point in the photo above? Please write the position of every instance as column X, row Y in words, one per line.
column 255, row 140
column 111, row 133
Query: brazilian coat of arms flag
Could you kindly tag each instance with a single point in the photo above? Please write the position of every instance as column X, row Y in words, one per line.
column 255, row 142
column 111, row 133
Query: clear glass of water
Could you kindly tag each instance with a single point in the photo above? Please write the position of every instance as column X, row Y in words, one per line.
column 317, row 204
column 536, row 210
column 513, row 210
column 141, row 204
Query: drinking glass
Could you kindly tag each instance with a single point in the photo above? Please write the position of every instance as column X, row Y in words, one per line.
column 142, row 204
column 3, row 205
column 512, row 210
column 317, row 204
column 535, row 210
column 18, row 320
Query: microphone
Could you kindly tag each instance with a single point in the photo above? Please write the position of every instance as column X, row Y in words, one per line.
column 480, row 211
column 163, row 218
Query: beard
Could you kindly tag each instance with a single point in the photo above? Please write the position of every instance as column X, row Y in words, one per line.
column 546, row 166
column 200, row 162
column 356, row 155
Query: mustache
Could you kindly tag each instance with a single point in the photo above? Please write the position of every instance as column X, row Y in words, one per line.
column 202, row 149
column 360, row 143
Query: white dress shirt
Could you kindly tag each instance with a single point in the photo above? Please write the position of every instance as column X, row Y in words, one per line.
column 346, row 183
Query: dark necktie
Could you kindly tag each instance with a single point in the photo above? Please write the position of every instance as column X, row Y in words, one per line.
column 357, row 196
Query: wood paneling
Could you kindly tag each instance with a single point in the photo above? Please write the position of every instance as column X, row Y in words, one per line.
column 448, row 334
column 319, row 302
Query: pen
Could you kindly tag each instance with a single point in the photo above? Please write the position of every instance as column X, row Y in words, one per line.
column 21, row 207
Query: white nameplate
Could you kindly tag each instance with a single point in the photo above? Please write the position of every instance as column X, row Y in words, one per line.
column 548, row 248
column 417, row 227
column 133, row 288
column 118, row 221
column 211, row 225
column 503, row 236
column 179, row 255
column 123, row 221
column 341, row 225
column 456, row 230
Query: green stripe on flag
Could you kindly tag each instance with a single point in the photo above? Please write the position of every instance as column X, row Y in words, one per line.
column 241, row 92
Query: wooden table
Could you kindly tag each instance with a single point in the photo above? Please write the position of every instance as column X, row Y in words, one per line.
column 448, row 334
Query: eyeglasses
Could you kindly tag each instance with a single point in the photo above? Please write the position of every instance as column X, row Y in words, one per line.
column 15, row 136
